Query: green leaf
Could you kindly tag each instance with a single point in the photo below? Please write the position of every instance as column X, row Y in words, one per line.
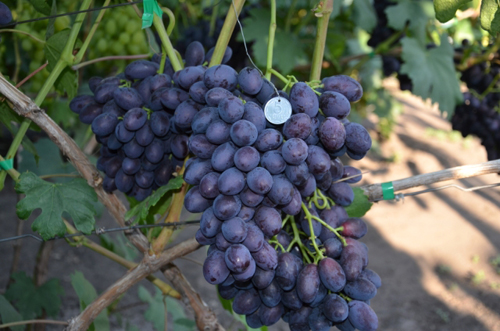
column 364, row 15
column 490, row 16
column 142, row 210
column 30, row 300
column 432, row 72
column 9, row 314
column 287, row 51
column 446, row 9
column 50, row 161
column 50, row 26
column 41, row 5
column 413, row 12
column 87, row 294
column 156, row 311
column 119, row 245
column 360, row 205
column 75, row 197
column 53, row 48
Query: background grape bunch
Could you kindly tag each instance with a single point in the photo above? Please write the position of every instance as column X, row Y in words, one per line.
column 479, row 114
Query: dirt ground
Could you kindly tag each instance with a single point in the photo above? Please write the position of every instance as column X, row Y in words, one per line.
column 433, row 251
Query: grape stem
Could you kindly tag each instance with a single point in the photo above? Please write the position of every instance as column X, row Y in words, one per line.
column 81, row 53
column 270, row 41
column 323, row 12
column 213, row 18
column 296, row 240
column 166, row 43
column 312, row 237
column 326, row 225
column 23, row 32
column 171, row 17
column 226, row 32
column 110, row 58
column 327, row 202
column 289, row 15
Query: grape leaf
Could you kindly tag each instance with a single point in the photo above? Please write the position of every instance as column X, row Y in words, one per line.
column 87, row 294
column 287, row 48
column 9, row 314
column 432, row 72
column 75, row 197
column 446, row 9
column 50, row 26
column 142, row 209
column 30, row 300
column 360, row 205
column 53, row 48
column 414, row 12
column 490, row 16
column 156, row 311
column 41, row 6
column 364, row 15
column 50, row 161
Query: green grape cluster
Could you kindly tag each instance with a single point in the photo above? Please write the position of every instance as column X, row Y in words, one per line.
column 119, row 33
column 31, row 51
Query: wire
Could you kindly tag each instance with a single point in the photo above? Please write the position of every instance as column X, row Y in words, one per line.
column 102, row 231
column 401, row 196
column 70, row 13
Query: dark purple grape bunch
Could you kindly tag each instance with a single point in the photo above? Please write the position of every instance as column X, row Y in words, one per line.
column 390, row 64
column 478, row 114
column 250, row 176
column 480, row 118
column 135, row 150
column 5, row 14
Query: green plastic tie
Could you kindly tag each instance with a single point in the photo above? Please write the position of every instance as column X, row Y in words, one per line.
column 150, row 8
column 7, row 164
column 388, row 191
column 371, row 55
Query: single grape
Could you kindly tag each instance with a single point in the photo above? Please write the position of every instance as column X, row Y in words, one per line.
column 226, row 207
column 231, row 181
column 362, row 316
column 208, row 185
column 268, row 220
column 298, row 126
column 221, row 76
column 260, row 181
column 234, row 230
column 335, row 308
column 215, row 270
column 246, row 158
column 308, row 282
column 195, row 202
column 237, row 257
column 250, row 80
column 345, row 85
column 334, row 104
column 303, row 99
column 254, row 239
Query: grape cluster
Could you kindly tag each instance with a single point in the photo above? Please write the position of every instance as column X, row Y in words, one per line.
column 382, row 32
column 5, row 14
column 249, row 177
column 479, row 115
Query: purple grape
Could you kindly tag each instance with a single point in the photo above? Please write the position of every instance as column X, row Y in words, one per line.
column 215, row 270
column 223, row 157
column 345, row 85
column 195, row 202
column 294, row 151
column 209, row 224
column 260, row 181
column 141, row 69
column 298, row 126
column 246, row 302
column 226, row 207
column 362, row 316
column 254, row 239
column 246, row 158
column 237, row 257
column 218, row 132
column 221, row 76
column 303, row 99
column 335, row 308
column 332, row 134
column 234, row 230
column 268, row 220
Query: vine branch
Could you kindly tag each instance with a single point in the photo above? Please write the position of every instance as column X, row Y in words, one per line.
column 148, row 265
column 323, row 13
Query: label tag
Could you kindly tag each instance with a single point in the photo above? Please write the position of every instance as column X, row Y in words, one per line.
column 150, row 8
column 278, row 110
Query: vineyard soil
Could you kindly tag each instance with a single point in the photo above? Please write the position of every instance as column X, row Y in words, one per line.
column 433, row 251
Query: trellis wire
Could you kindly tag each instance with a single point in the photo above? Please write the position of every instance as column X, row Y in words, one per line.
column 401, row 196
column 70, row 13
column 102, row 230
